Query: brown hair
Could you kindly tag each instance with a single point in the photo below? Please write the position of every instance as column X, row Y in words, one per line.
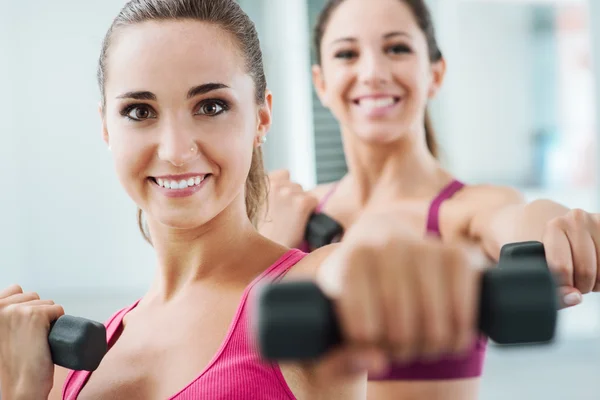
column 424, row 20
column 230, row 17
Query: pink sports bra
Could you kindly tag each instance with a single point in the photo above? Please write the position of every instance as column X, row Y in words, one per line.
column 237, row 371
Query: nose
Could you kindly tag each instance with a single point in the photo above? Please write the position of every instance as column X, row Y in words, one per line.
column 177, row 145
column 373, row 69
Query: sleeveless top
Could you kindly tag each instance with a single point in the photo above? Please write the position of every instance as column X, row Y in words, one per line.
column 237, row 371
column 451, row 367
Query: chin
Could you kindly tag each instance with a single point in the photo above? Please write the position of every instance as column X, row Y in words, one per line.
column 379, row 136
column 183, row 219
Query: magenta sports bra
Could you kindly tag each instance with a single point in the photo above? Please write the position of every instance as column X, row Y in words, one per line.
column 237, row 371
column 469, row 366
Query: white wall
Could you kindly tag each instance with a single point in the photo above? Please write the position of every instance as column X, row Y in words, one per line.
column 10, row 236
column 285, row 41
column 71, row 229
column 487, row 99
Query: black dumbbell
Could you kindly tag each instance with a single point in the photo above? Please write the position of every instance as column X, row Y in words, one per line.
column 520, row 250
column 321, row 230
column 517, row 305
column 77, row 343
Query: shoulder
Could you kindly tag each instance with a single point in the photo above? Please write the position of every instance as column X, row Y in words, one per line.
column 308, row 267
column 484, row 196
column 475, row 203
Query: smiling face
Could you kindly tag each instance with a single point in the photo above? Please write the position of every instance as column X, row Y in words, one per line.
column 376, row 75
column 181, row 118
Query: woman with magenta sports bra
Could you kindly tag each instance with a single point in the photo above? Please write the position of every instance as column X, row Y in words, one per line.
column 184, row 109
column 378, row 66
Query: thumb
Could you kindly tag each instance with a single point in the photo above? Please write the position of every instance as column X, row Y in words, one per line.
column 569, row 296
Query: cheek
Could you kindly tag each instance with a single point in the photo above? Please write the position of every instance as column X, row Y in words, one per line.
column 232, row 155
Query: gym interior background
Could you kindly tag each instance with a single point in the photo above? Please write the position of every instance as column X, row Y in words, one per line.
column 518, row 107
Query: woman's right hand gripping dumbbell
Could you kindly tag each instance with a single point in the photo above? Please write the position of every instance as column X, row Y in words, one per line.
column 26, row 368
column 288, row 210
column 398, row 297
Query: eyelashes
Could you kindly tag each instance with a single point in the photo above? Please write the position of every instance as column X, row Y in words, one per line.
column 141, row 112
column 395, row 50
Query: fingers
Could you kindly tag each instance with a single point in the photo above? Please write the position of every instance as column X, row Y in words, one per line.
column 558, row 253
column 11, row 290
column 400, row 316
column 569, row 296
column 52, row 311
column 34, row 303
column 359, row 308
column 20, row 298
column 584, row 260
column 279, row 175
column 435, row 318
column 464, row 283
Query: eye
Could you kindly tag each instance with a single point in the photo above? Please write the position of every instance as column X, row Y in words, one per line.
column 399, row 49
column 138, row 112
column 212, row 108
column 345, row 54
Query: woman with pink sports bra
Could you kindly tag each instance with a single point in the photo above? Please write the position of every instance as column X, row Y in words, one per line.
column 378, row 66
column 184, row 110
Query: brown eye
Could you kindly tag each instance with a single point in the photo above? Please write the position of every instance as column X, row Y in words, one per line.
column 212, row 108
column 141, row 113
column 138, row 113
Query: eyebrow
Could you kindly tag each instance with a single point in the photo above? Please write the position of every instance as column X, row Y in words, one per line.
column 386, row 36
column 193, row 92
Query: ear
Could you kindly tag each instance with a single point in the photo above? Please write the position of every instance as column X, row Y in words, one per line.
column 265, row 117
column 104, row 129
column 319, row 83
column 438, row 72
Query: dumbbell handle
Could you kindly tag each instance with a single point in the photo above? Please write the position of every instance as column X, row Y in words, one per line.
column 77, row 343
column 517, row 305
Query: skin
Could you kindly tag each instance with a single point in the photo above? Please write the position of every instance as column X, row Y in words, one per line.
column 208, row 251
column 378, row 49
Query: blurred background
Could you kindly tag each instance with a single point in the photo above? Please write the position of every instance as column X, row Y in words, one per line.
column 519, row 107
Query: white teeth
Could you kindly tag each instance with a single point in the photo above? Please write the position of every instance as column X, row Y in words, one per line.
column 376, row 103
column 182, row 184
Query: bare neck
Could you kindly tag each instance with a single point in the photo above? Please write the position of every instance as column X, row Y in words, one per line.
column 383, row 172
column 216, row 252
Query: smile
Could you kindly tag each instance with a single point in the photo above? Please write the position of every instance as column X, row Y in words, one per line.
column 371, row 103
column 180, row 187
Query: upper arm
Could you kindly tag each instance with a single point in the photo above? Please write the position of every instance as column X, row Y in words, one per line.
column 456, row 389
column 493, row 216
column 487, row 202
column 60, row 376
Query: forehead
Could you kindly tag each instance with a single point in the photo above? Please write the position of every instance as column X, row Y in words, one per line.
column 359, row 18
column 185, row 53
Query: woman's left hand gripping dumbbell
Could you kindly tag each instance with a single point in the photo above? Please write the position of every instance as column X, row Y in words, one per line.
column 26, row 368
column 572, row 248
